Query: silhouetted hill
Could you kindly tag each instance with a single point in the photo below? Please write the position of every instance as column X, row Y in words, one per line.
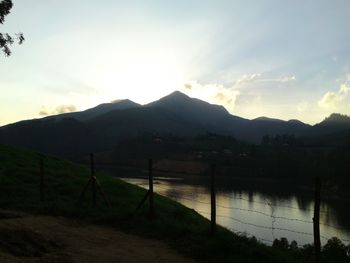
column 336, row 118
column 98, row 110
column 104, row 126
column 65, row 136
column 137, row 121
column 193, row 110
column 334, row 123
column 257, row 128
column 212, row 117
column 71, row 137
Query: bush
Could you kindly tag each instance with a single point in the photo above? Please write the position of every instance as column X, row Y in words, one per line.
column 336, row 251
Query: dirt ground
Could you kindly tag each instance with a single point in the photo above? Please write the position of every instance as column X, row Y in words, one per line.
column 27, row 238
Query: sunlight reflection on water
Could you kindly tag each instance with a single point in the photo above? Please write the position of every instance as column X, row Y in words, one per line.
column 253, row 213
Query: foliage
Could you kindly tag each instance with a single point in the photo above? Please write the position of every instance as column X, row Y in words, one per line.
column 6, row 39
column 334, row 251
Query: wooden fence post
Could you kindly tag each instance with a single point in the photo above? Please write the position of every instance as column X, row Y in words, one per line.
column 316, row 220
column 93, row 177
column 42, row 193
column 213, row 200
column 151, row 200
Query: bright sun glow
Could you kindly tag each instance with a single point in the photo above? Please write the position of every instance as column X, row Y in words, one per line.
column 138, row 77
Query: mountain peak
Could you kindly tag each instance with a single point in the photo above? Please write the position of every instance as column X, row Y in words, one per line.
column 121, row 101
column 191, row 109
column 177, row 92
column 177, row 95
column 337, row 118
column 295, row 121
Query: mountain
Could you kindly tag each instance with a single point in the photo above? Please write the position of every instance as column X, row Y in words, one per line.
column 212, row 117
column 104, row 126
column 334, row 123
column 193, row 110
column 255, row 129
column 65, row 137
column 98, row 110
column 70, row 137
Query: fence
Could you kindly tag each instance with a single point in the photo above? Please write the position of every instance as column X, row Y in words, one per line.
column 314, row 222
column 212, row 215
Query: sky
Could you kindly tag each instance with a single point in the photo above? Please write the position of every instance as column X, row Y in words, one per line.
column 285, row 59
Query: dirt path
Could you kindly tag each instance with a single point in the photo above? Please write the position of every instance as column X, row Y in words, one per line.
column 25, row 238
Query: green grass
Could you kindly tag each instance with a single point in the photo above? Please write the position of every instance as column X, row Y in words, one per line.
column 180, row 227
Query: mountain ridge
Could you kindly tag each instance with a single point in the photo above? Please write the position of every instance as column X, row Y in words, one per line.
column 98, row 110
column 105, row 125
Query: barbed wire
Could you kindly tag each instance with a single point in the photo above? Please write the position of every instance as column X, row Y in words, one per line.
column 247, row 210
column 273, row 217
column 270, row 204
column 258, row 226
column 265, row 214
column 265, row 203
column 266, row 227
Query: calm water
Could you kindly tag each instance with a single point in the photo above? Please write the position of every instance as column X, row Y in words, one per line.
column 255, row 213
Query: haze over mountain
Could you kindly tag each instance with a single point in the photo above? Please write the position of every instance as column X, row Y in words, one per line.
column 104, row 126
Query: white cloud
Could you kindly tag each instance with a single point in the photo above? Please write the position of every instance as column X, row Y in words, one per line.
column 338, row 100
column 256, row 77
column 246, row 78
column 65, row 108
column 281, row 79
column 213, row 93
column 44, row 111
column 344, row 89
column 284, row 79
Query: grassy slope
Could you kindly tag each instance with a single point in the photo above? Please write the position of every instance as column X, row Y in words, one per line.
column 178, row 226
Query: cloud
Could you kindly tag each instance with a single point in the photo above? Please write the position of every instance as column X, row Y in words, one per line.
column 188, row 86
column 256, row 77
column 338, row 100
column 285, row 79
column 344, row 89
column 43, row 111
column 64, row 108
column 247, row 78
column 213, row 93
column 280, row 79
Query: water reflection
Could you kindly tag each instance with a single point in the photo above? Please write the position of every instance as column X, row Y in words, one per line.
column 255, row 213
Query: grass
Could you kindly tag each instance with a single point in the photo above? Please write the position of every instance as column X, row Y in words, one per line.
column 178, row 226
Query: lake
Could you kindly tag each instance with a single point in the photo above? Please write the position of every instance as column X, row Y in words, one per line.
column 265, row 214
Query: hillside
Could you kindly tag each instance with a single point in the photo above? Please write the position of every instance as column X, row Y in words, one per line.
column 179, row 227
column 334, row 123
column 71, row 138
column 192, row 110
column 103, row 127
column 92, row 113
